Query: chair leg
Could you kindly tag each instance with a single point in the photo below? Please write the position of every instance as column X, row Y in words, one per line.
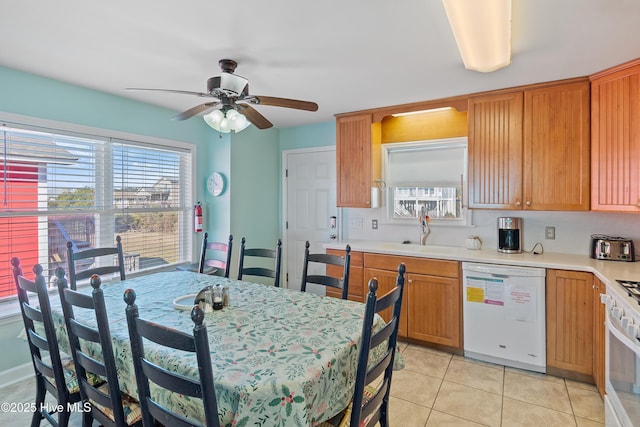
column 41, row 393
column 87, row 419
column 63, row 417
column 384, row 413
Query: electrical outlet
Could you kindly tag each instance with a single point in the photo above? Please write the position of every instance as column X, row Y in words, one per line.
column 356, row 223
column 374, row 224
column 550, row 233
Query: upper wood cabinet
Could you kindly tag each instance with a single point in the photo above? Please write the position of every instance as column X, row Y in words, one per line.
column 556, row 147
column 357, row 159
column 530, row 149
column 495, row 151
column 615, row 139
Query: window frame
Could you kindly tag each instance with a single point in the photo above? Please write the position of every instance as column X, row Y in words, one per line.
column 387, row 191
column 185, row 236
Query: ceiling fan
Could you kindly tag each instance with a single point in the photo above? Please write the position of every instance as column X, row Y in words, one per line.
column 230, row 96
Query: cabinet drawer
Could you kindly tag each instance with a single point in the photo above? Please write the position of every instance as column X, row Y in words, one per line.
column 431, row 267
column 356, row 257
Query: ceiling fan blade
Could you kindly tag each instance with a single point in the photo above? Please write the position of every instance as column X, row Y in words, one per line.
column 195, row 111
column 282, row 102
column 256, row 118
column 185, row 92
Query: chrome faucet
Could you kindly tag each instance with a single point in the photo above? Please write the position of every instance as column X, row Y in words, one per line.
column 424, row 226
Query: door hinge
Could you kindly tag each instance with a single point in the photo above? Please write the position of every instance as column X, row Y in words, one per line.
column 286, row 225
column 286, row 173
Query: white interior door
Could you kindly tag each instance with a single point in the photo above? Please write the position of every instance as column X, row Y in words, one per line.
column 309, row 205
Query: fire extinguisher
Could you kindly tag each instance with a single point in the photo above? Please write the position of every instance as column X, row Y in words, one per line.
column 198, row 218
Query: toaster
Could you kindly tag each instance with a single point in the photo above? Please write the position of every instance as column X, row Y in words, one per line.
column 612, row 248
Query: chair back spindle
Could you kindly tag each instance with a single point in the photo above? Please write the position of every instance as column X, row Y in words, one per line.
column 260, row 253
column 222, row 259
column 369, row 405
column 341, row 283
column 108, row 405
column 78, row 260
column 53, row 374
column 148, row 370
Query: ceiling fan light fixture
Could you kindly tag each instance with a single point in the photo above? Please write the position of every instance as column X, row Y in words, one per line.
column 237, row 121
column 482, row 29
column 226, row 122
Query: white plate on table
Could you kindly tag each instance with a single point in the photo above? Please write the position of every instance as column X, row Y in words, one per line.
column 185, row 302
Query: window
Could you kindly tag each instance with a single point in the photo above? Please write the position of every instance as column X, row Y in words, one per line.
column 426, row 173
column 58, row 186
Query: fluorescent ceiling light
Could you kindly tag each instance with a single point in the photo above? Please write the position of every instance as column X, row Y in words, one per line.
column 410, row 113
column 482, row 29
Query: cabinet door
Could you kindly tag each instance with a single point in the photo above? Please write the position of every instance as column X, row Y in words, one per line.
column 599, row 333
column 570, row 321
column 556, row 147
column 434, row 309
column 615, row 140
column 495, row 151
column 353, row 161
column 386, row 282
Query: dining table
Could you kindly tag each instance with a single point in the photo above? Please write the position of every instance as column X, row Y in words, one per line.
column 280, row 357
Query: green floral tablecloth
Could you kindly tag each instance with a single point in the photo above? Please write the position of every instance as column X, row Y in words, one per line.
column 280, row 357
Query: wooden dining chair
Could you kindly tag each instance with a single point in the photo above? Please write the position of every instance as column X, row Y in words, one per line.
column 108, row 405
column 221, row 260
column 54, row 374
column 370, row 404
column 78, row 259
column 261, row 253
column 341, row 283
column 147, row 370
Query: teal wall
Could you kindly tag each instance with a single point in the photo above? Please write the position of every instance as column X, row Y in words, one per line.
column 254, row 189
column 250, row 161
column 315, row 135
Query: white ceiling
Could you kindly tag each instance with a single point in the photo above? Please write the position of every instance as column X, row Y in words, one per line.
column 346, row 55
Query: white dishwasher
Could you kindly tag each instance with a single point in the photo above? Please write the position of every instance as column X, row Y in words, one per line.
column 504, row 315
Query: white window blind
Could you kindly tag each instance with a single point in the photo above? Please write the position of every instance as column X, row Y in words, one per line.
column 59, row 187
column 432, row 165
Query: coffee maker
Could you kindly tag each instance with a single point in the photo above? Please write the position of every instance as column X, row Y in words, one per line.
column 510, row 235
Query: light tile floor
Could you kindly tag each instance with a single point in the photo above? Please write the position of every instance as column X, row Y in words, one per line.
column 440, row 389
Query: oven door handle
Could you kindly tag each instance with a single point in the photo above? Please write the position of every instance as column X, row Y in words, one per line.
column 622, row 336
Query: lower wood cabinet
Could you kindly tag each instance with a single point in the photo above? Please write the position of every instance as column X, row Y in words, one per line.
column 355, row 291
column 431, row 306
column 599, row 333
column 570, row 319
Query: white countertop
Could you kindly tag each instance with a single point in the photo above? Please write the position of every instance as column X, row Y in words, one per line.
column 607, row 271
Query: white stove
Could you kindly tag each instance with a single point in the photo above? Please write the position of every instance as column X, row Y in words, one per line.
column 622, row 402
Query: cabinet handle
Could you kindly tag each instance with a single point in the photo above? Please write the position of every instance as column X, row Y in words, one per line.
column 518, row 203
column 410, row 281
column 528, row 202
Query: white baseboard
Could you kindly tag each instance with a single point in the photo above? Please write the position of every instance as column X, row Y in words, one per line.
column 15, row 374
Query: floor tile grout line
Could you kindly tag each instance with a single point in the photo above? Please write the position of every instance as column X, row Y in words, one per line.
column 435, row 399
